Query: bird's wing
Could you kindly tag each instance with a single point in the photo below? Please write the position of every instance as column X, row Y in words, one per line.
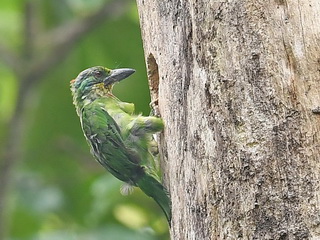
column 103, row 135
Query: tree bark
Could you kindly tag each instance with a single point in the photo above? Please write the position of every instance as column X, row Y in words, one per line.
column 238, row 86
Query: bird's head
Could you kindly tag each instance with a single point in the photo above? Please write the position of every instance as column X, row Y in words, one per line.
column 97, row 81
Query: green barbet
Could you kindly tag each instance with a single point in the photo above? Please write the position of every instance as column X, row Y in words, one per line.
column 119, row 140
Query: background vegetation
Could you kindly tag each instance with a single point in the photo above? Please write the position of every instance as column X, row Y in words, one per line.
column 50, row 186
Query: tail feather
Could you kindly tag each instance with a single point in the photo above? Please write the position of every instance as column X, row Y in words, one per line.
column 156, row 190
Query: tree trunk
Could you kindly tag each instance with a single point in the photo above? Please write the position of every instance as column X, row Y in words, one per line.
column 238, row 84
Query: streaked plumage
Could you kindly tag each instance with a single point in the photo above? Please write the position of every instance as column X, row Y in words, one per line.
column 120, row 141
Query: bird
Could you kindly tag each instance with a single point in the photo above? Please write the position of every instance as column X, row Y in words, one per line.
column 121, row 141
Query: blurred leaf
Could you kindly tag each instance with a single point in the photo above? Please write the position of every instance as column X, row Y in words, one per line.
column 131, row 216
column 8, row 92
column 106, row 194
column 83, row 7
column 10, row 23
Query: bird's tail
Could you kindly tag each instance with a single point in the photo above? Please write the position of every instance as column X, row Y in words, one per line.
column 156, row 190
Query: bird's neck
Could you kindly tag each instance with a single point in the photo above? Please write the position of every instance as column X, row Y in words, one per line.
column 83, row 98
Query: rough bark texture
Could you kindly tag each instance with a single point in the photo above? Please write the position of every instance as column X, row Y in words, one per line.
column 238, row 84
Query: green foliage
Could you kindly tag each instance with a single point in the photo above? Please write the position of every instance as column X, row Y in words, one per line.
column 8, row 92
column 58, row 190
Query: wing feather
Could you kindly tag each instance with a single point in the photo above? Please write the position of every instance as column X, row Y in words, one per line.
column 104, row 137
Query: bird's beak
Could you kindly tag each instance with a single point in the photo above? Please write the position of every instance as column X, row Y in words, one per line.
column 116, row 75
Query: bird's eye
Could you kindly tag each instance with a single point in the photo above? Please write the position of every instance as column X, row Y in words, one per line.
column 98, row 74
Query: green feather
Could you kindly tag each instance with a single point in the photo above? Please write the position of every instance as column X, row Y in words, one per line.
column 120, row 141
